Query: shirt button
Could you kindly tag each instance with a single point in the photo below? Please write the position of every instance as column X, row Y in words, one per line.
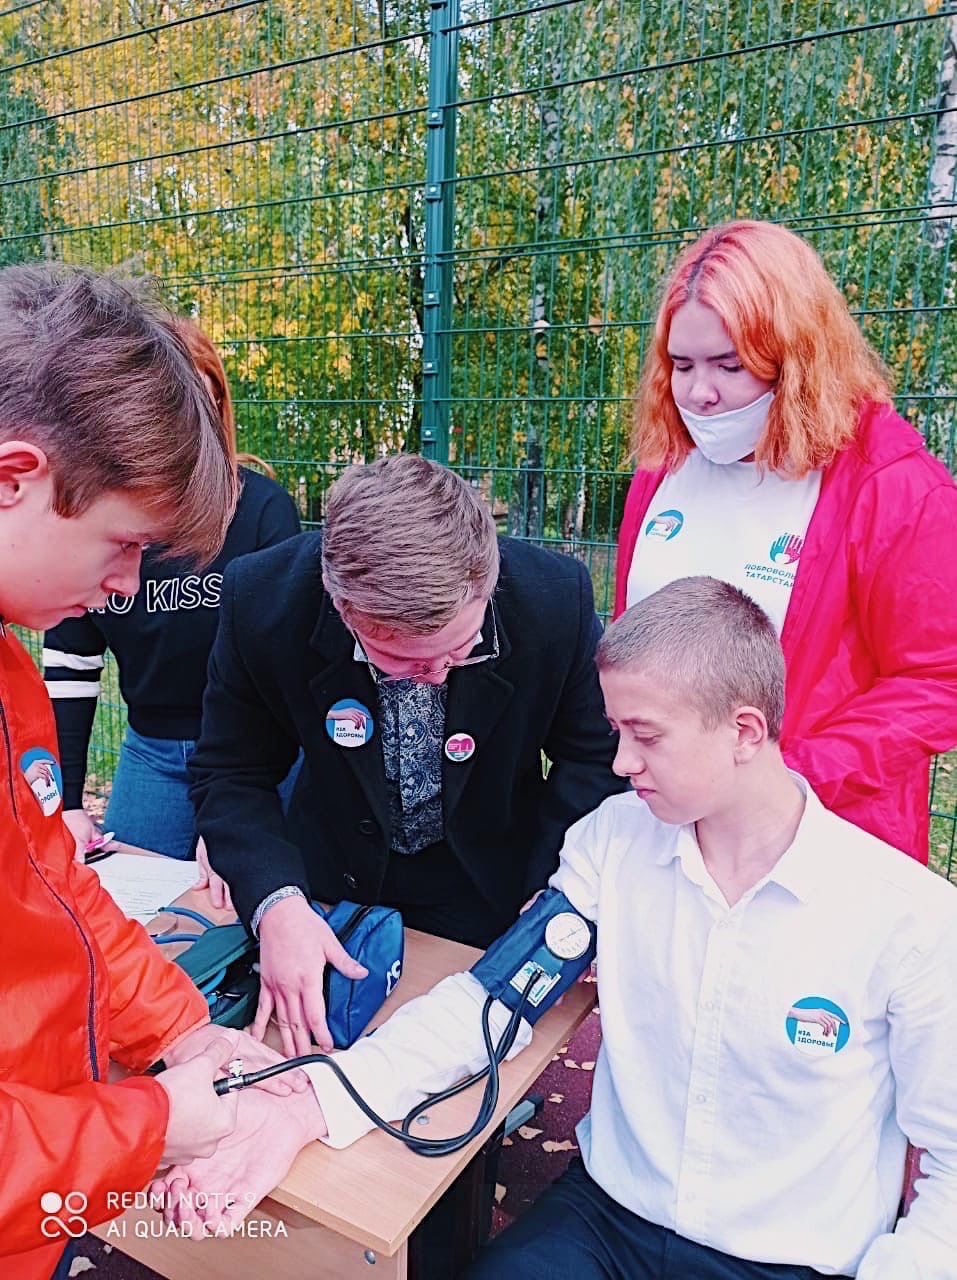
column 367, row 827
column 701, row 1097
column 709, row 1005
column 351, row 881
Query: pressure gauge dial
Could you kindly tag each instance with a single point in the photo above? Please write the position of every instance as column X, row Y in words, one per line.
column 567, row 936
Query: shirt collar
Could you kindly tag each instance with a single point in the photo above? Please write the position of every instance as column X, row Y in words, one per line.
column 799, row 870
column 804, row 864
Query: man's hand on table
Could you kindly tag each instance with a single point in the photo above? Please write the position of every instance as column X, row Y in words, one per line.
column 295, row 944
column 209, row 880
column 254, row 1055
column 269, row 1133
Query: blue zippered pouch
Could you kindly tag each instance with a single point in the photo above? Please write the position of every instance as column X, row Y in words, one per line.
column 374, row 937
column 222, row 962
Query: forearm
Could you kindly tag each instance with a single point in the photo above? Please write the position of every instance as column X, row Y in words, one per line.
column 245, row 750
column 95, row 1139
column 878, row 737
column 923, row 1245
column 922, row 1017
column 246, row 842
column 152, row 1001
column 427, row 1045
column 74, row 726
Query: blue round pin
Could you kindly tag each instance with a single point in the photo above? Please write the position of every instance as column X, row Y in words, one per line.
column 349, row 723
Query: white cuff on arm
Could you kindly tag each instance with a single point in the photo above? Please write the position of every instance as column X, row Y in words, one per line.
column 427, row 1045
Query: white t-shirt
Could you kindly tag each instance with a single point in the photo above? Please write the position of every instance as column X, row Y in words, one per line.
column 736, row 522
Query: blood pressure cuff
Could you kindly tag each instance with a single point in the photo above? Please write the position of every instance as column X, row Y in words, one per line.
column 551, row 937
column 223, row 963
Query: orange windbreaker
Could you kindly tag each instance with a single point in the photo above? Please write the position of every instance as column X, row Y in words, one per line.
column 80, row 984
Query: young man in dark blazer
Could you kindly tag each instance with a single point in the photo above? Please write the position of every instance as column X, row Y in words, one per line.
column 424, row 667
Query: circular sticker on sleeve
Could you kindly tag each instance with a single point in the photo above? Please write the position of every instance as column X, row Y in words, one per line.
column 817, row 1026
column 42, row 772
column 349, row 723
column 459, row 747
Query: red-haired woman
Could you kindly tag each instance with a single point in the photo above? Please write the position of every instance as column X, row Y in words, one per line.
column 161, row 640
column 770, row 455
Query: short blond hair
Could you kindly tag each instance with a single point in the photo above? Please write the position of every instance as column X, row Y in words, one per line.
column 406, row 543
column 708, row 639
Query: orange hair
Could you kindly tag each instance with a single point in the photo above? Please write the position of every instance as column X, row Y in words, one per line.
column 207, row 361
column 790, row 325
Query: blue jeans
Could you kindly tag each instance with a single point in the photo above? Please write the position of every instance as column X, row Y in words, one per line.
column 576, row 1231
column 150, row 806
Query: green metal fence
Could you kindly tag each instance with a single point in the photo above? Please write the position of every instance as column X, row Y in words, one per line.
column 439, row 224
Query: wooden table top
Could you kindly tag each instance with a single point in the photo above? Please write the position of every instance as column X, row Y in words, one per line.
column 377, row 1191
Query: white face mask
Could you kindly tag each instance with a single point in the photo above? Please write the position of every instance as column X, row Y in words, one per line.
column 728, row 437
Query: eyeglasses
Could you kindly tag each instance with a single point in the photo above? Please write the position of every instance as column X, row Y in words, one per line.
column 381, row 677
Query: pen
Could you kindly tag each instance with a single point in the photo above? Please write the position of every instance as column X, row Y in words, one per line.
column 98, row 857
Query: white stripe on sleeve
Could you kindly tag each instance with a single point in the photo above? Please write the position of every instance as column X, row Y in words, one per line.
column 72, row 661
column 73, row 688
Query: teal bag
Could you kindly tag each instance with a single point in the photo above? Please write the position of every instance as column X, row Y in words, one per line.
column 220, row 962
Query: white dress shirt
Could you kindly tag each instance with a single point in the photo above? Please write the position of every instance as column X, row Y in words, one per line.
column 735, row 522
column 717, row 1109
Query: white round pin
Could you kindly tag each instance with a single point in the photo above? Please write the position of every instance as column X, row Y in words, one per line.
column 459, row 747
column 349, row 723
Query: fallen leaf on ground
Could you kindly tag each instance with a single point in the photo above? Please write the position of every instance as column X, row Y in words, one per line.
column 526, row 1131
column 556, row 1097
column 499, row 1193
column 570, row 1062
column 588, row 1066
column 507, row 1142
column 550, row 1146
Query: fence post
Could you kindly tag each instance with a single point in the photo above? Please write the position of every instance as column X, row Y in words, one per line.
column 439, row 227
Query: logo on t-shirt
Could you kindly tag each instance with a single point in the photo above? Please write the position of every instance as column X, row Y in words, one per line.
column 817, row 1027
column 42, row 772
column 786, row 547
column 665, row 525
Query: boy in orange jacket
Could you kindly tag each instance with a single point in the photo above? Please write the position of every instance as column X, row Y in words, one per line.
column 108, row 441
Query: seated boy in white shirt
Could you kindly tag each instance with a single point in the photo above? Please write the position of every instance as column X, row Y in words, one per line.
column 778, row 997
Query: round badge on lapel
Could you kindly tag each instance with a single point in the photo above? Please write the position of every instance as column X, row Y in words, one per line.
column 459, row 747
column 349, row 723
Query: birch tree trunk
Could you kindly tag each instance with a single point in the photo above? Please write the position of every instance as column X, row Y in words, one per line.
column 942, row 188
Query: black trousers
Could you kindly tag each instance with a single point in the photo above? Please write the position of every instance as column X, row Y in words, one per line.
column 576, row 1231
column 62, row 1271
column 435, row 895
